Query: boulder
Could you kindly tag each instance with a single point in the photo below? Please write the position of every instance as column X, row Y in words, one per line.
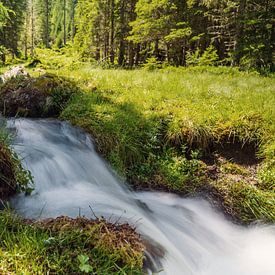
column 43, row 96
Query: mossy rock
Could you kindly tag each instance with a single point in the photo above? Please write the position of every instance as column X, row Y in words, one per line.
column 44, row 96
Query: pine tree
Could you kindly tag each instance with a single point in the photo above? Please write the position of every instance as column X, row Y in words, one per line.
column 10, row 32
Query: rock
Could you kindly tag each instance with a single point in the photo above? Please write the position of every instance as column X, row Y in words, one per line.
column 44, row 96
column 14, row 72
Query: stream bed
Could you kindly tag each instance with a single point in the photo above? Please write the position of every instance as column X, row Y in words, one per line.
column 186, row 236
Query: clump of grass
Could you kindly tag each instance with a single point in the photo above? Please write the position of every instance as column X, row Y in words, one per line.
column 246, row 202
column 233, row 168
column 56, row 246
column 266, row 174
column 13, row 177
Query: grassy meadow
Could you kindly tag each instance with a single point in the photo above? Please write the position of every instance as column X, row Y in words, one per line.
column 195, row 131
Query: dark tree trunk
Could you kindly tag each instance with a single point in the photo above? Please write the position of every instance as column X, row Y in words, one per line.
column 112, row 32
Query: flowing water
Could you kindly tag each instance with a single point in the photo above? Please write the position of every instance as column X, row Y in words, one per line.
column 186, row 236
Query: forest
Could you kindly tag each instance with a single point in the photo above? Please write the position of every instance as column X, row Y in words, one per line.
column 131, row 33
column 137, row 137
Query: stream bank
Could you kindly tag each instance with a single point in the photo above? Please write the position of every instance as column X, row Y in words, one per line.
column 225, row 163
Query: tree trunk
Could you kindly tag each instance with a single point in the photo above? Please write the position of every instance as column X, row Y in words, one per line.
column 121, row 55
column 240, row 32
column 64, row 23
column 112, row 32
column 32, row 29
column 47, row 24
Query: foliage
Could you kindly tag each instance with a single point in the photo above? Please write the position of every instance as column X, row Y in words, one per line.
column 128, row 33
column 10, row 32
column 179, row 172
column 4, row 15
column 152, row 64
column 84, row 265
column 208, row 58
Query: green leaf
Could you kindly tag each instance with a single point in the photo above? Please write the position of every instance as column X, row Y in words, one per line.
column 86, row 268
column 83, row 259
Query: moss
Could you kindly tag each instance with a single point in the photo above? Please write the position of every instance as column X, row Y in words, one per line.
column 234, row 168
column 44, row 96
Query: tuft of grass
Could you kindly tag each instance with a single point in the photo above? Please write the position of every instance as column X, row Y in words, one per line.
column 55, row 246
column 233, row 168
column 247, row 202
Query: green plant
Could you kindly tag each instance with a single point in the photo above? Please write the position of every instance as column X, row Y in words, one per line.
column 179, row 171
column 17, row 177
column 84, row 264
column 208, row 58
column 152, row 64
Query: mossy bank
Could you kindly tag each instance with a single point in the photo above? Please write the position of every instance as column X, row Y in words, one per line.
column 67, row 246
column 43, row 96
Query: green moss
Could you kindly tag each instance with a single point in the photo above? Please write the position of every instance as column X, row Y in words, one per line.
column 43, row 96
column 233, row 168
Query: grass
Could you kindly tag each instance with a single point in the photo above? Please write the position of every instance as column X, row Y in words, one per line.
column 67, row 246
column 193, row 131
column 158, row 128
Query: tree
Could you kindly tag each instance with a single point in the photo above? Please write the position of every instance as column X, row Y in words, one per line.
column 10, row 32
column 43, row 10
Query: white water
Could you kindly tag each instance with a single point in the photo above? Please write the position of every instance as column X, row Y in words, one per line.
column 187, row 234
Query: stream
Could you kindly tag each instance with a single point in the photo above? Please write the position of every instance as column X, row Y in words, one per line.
column 186, row 236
